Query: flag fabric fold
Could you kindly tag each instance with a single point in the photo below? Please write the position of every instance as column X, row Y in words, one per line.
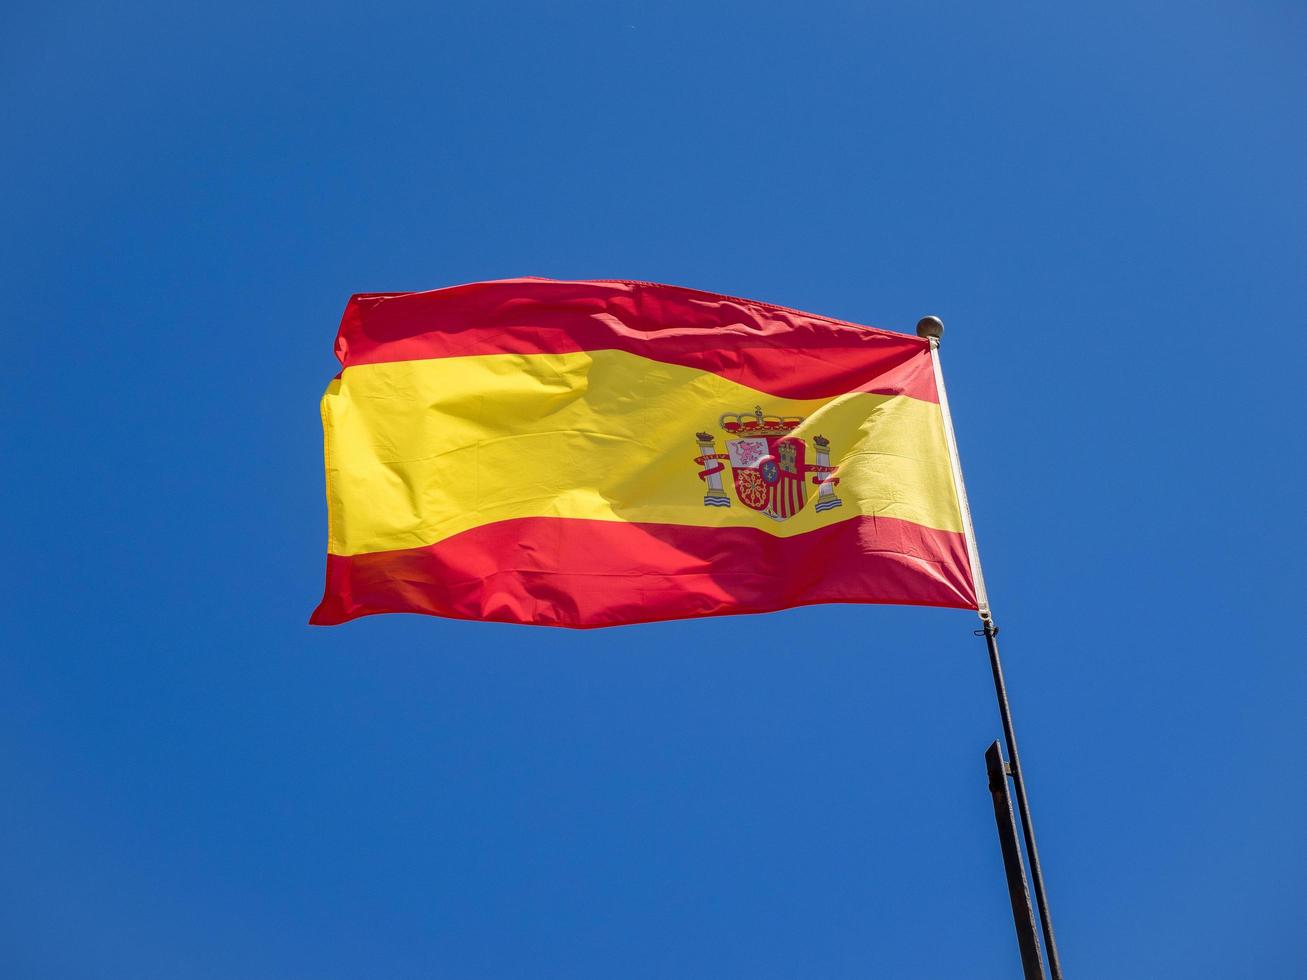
column 596, row 453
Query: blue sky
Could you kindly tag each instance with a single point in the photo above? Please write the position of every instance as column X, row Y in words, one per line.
column 1104, row 204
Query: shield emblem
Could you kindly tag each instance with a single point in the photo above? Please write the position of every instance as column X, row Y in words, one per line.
column 768, row 473
column 768, row 465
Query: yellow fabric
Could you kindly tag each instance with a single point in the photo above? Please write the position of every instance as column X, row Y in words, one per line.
column 418, row 451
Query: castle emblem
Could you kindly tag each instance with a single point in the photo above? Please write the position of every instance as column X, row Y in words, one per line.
column 768, row 466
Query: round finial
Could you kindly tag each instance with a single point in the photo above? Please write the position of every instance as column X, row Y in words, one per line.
column 930, row 326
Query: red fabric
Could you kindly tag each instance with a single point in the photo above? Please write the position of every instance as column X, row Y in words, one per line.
column 583, row 573
column 772, row 349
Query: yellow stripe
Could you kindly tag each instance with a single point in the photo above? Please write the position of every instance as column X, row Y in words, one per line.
column 418, row 451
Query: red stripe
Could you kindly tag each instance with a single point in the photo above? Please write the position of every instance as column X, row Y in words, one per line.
column 783, row 352
column 582, row 573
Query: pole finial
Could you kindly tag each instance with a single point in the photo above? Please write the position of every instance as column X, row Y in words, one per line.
column 931, row 327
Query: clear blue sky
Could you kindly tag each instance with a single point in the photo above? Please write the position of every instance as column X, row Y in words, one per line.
column 1106, row 205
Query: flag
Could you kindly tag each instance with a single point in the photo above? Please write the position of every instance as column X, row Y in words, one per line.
column 605, row 452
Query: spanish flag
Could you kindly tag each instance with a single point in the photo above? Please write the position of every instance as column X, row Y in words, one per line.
column 597, row 453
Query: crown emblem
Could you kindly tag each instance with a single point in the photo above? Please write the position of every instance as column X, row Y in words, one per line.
column 758, row 424
column 769, row 466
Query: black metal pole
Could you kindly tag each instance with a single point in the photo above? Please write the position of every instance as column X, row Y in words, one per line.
column 931, row 328
column 1023, row 916
column 990, row 632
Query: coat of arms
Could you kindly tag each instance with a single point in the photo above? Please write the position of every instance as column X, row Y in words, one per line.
column 768, row 466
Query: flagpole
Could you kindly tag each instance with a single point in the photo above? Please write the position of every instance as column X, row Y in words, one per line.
column 1018, row 887
column 932, row 329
